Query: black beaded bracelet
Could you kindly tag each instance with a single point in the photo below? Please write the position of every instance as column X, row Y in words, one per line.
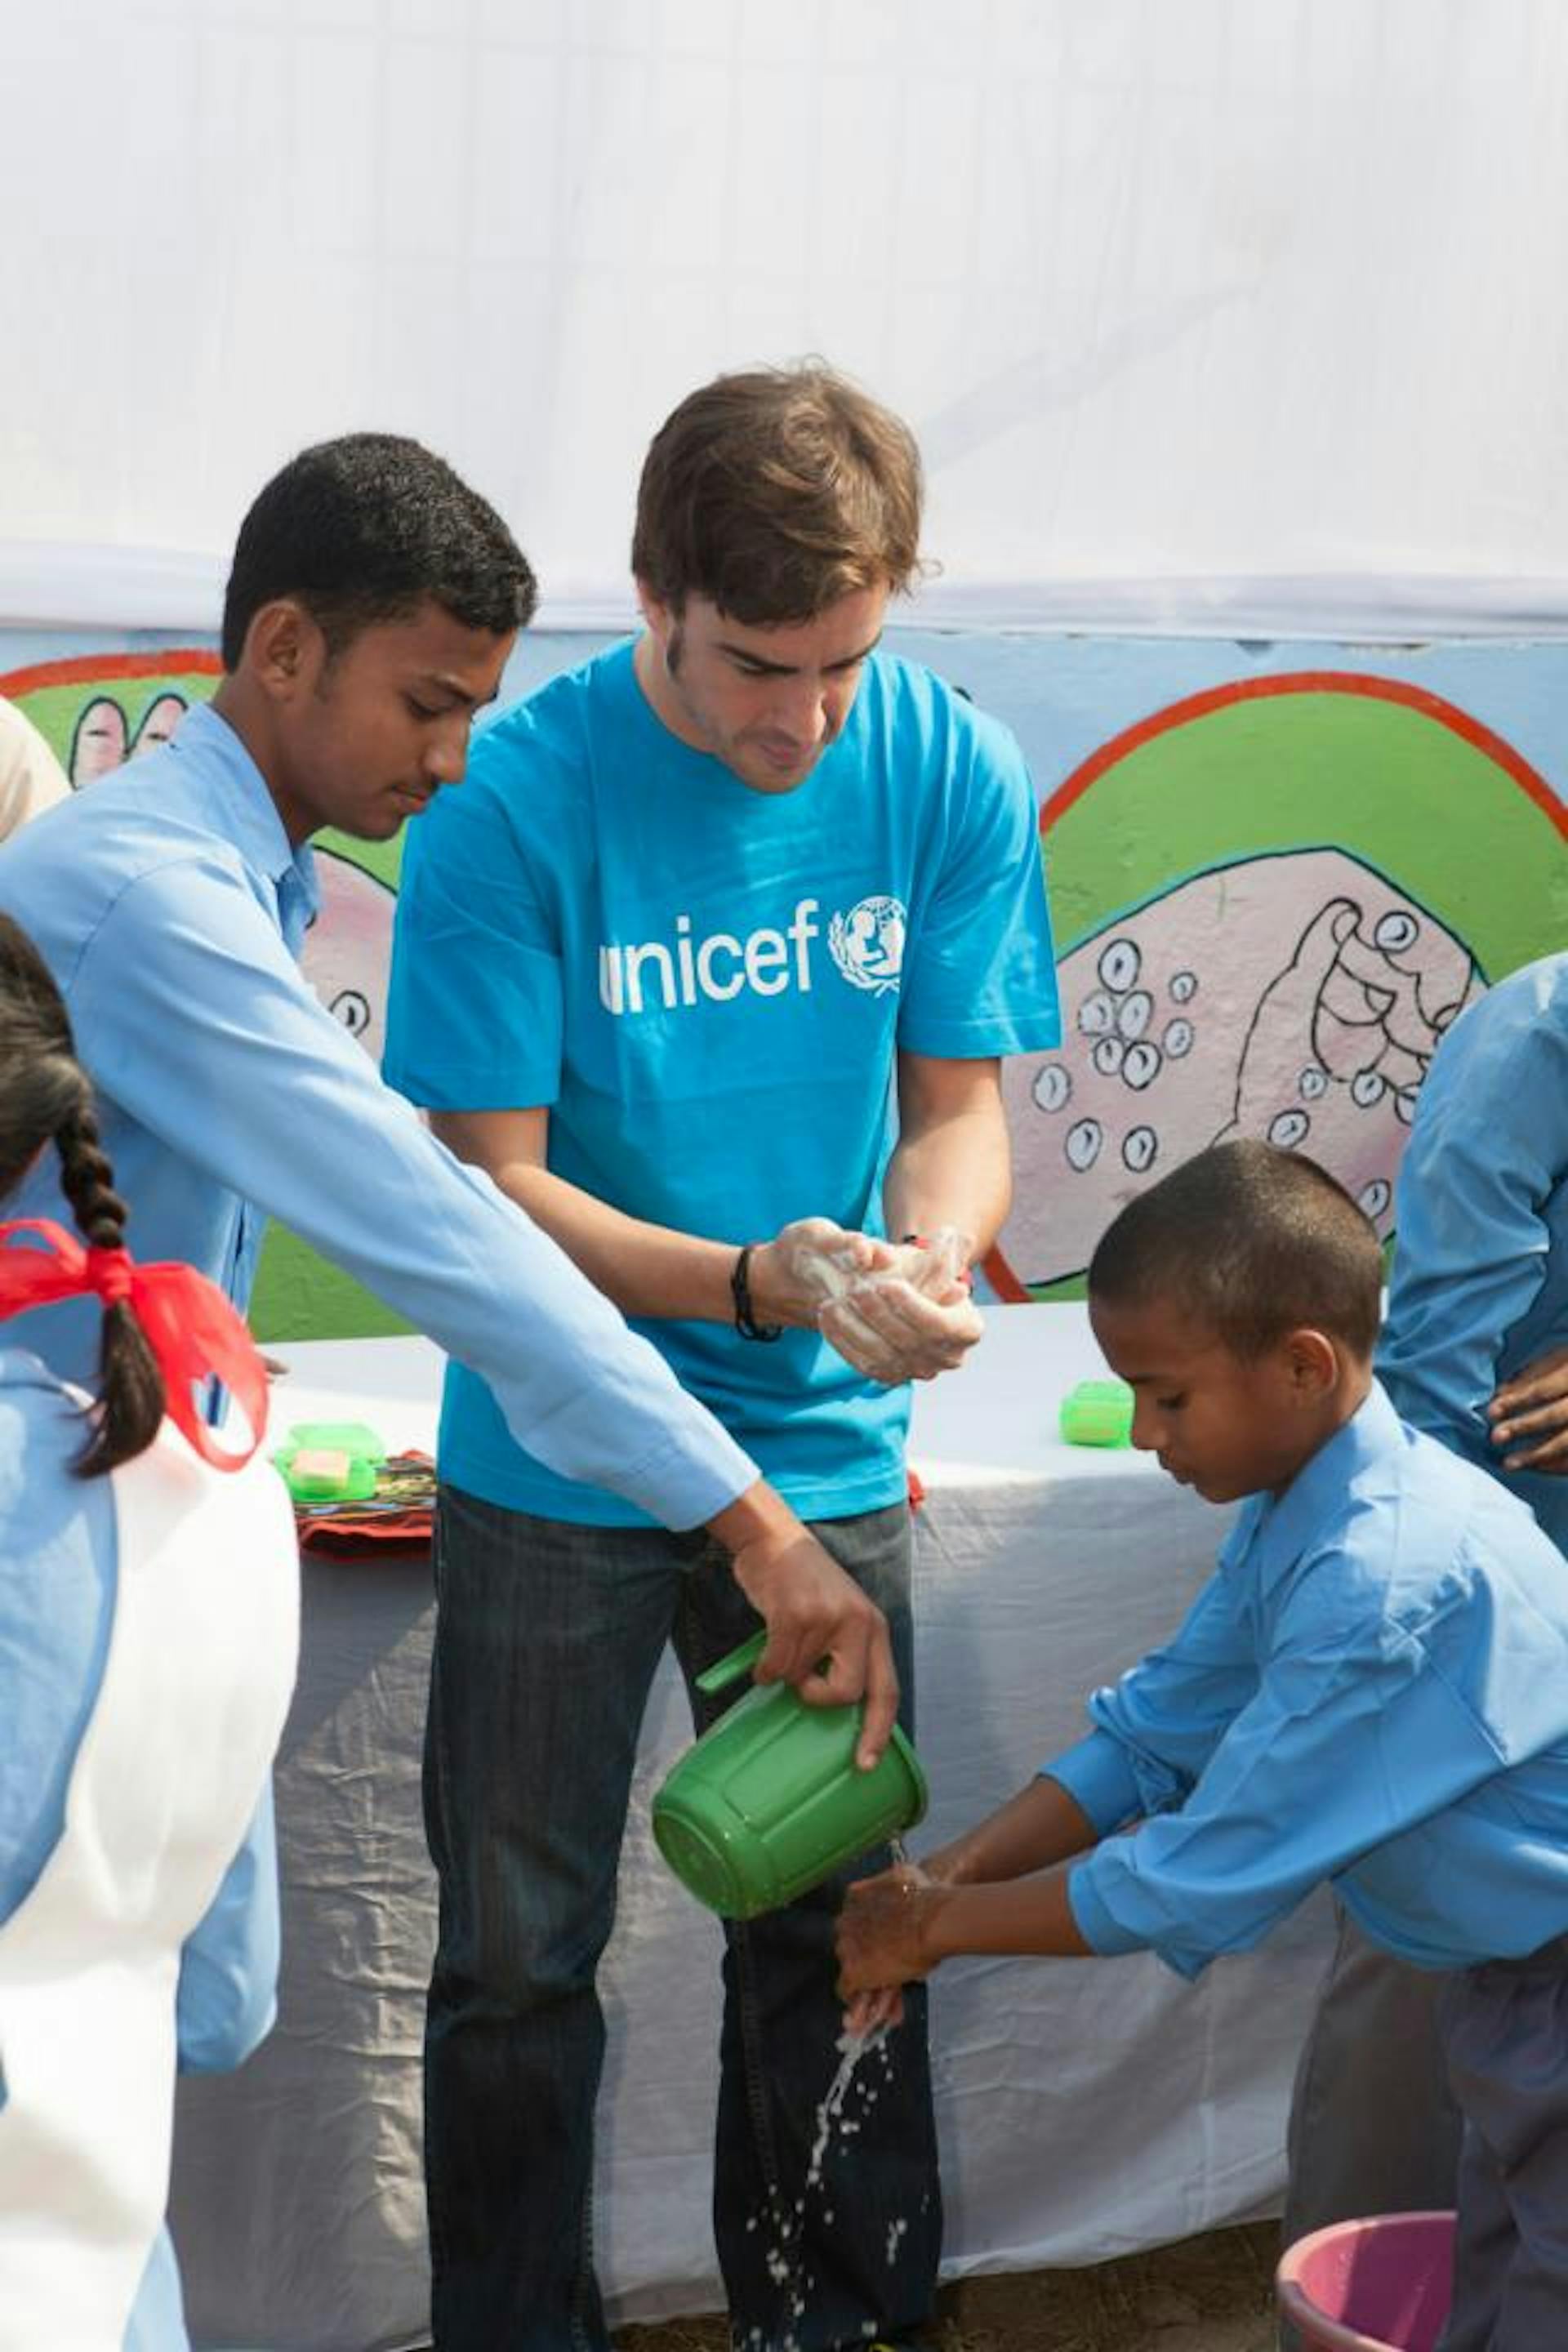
column 746, row 1323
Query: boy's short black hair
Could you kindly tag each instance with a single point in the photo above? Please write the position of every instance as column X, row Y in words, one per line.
column 367, row 528
column 1251, row 1240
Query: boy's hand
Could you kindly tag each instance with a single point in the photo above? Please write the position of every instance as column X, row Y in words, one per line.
column 1529, row 1416
column 881, row 1942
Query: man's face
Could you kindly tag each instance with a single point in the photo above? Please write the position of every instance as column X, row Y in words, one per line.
column 766, row 701
column 1226, row 1424
column 364, row 739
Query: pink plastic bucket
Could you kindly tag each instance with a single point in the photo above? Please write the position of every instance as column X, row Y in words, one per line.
column 1378, row 2286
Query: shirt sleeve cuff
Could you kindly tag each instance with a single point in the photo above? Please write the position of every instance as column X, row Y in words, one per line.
column 1100, row 1931
column 1104, row 1885
column 1098, row 1776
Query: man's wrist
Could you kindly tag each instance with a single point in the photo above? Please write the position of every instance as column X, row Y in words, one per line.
column 748, row 1322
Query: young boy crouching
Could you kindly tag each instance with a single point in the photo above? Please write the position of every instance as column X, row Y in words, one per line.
column 1372, row 1688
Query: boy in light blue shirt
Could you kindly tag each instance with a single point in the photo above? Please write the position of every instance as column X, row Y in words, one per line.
column 1474, row 1351
column 1373, row 1689
column 371, row 604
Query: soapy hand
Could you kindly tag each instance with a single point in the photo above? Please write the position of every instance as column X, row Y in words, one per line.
column 809, row 1261
column 881, row 1943
column 1529, row 1416
column 910, row 1320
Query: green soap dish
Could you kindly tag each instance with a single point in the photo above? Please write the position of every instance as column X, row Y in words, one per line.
column 1098, row 1413
column 330, row 1461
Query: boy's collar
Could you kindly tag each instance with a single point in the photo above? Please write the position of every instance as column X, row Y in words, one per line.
column 251, row 815
column 1365, row 1438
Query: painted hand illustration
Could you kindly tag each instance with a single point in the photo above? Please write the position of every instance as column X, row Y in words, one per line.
column 1360, row 1005
column 349, row 947
column 101, row 738
column 1297, row 997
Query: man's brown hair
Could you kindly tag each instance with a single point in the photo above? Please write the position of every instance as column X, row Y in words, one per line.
column 775, row 492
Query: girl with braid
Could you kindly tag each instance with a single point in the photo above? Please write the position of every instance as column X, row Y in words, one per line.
column 148, row 1630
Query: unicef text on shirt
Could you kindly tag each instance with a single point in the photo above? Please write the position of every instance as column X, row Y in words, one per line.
column 866, row 949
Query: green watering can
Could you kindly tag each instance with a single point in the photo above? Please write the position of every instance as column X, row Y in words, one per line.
column 769, row 1801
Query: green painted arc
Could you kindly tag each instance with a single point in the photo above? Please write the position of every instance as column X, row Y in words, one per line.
column 1430, row 810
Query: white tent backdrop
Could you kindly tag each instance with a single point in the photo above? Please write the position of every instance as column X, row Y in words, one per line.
column 1208, row 312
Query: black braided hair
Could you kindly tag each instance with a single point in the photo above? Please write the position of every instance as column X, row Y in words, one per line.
column 45, row 1096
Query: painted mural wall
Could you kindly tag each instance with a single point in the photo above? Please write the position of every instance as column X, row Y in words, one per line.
column 1277, row 872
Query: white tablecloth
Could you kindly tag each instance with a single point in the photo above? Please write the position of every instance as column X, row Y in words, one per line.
column 1086, row 2108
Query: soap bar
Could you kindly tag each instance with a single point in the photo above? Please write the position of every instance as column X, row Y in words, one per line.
column 1098, row 1413
column 331, row 1461
column 319, row 1471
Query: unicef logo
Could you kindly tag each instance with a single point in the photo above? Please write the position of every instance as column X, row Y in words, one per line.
column 867, row 944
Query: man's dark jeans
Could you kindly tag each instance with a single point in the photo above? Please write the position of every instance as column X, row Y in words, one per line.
column 548, row 1635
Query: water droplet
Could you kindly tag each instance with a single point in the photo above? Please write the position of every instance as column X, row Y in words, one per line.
column 1135, row 1012
column 1288, row 1129
column 1398, row 930
column 1083, row 1143
column 1120, row 964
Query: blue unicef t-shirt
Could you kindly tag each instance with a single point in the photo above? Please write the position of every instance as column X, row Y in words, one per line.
column 707, row 988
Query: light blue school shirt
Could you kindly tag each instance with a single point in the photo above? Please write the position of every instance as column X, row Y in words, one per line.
column 1481, row 1267
column 171, row 907
column 708, row 987
column 58, row 1567
column 1373, row 1689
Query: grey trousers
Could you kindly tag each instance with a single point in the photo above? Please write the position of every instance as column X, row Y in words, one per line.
column 1417, row 2090
column 1374, row 2127
column 1504, row 2028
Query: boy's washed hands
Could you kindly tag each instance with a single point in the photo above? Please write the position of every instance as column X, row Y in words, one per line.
column 826, row 1637
column 882, row 1946
column 1529, row 1415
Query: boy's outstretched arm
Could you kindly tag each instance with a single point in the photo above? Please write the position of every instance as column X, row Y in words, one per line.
column 1041, row 1824
column 990, row 1890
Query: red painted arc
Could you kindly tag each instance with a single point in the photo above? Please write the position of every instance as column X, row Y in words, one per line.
column 1306, row 681
column 1531, row 781
column 80, row 670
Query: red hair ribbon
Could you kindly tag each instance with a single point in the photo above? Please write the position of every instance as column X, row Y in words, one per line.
column 193, row 1332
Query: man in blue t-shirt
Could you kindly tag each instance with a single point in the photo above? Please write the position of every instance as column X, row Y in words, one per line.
column 709, row 965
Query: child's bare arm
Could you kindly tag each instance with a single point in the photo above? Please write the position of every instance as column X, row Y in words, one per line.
column 1040, row 1825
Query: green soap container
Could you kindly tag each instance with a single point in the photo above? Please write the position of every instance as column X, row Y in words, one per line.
column 1098, row 1413
column 363, row 1454
column 769, row 1801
